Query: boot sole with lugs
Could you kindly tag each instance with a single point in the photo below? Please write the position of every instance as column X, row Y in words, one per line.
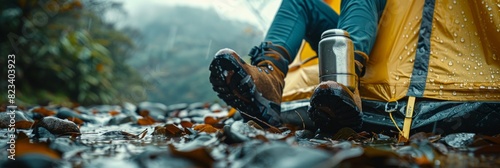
column 332, row 109
column 237, row 89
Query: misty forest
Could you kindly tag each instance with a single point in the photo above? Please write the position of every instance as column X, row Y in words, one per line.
column 70, row 53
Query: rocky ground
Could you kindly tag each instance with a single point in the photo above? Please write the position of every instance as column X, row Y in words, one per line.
column 211, row 135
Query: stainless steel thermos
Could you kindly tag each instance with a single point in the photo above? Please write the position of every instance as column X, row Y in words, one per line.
column 336, row 58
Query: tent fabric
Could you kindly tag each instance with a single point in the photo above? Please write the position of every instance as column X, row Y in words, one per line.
column 434, row 49
column 439, row 117
column 419, row 73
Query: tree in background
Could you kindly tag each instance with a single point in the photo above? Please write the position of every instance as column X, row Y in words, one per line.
column 65, row 52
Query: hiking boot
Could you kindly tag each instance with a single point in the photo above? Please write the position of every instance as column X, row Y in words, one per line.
column 334, row 106
column 254, row 89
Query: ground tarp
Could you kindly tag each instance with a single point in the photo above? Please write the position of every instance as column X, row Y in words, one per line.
column 439, row 117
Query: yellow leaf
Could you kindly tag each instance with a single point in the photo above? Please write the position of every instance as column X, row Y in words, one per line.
column 231, row 112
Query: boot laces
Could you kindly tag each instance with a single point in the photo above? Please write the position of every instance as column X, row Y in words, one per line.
column 264, row 51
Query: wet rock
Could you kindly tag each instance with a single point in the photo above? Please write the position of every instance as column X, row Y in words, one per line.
column 178, row 110
column 156, row 110
column 279, row 154
column 177, row 107
column 202, row 140
column 423, row 152
column 459, row 140
column 83, row 110
column 198, row 119
column 57, row 126
column 197, row 105
column 216, row 107
column 20, row 121
column 180, row 114
column 199, row 112
column 66, row 113
column 121, row 119
column 104, row 108
column 122, row 135
column 32, row 161
column 105, row 162
column 232, row 135
column 128, row 108
column 153, row 157
column 304, row 134
column 66, row 146
column 43, row 133
column 295, row 113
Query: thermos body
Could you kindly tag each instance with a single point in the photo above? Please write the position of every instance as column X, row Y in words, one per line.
column 336, row 58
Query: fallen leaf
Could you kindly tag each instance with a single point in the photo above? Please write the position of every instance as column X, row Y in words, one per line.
column 345, row 133
column 146, row 121
column 159, row 130
column 144, row 113
column 273, row 130
column 211, row 120
column 113, row 112
column 124, row 135
column 200, row 156
column 24, row 147
column 205, row 128
column 231, row 112
column 95, row 111
column 252, row 123
column 77, row 121
column 425, row 136
column 186, row 124
column 261, row 137
column 44, row 112
column 481, row 140
column 487, row 149
column 24, row 124
column 402, row 138
column 172, row 130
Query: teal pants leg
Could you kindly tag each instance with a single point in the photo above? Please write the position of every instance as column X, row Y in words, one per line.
column 301, row 19
column 308, row 19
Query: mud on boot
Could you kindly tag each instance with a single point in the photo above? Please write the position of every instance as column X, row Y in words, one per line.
column 333, row 106
column 254, row 89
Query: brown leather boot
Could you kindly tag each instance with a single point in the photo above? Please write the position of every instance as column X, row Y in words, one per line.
column 254, row 89
column 334, row 106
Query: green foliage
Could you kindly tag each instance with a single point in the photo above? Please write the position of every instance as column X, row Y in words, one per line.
column 65, row 52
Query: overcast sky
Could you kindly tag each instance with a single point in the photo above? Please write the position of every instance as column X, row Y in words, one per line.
column 231, row 9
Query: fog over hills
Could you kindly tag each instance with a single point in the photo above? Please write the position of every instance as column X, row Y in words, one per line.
column 176, row 45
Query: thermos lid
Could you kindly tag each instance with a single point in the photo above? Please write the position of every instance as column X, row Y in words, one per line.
column 334, row 32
